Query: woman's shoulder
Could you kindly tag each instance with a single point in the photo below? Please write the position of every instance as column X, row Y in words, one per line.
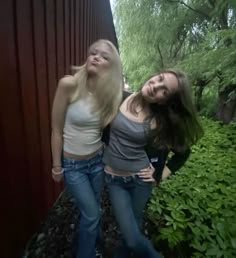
column 67, row 82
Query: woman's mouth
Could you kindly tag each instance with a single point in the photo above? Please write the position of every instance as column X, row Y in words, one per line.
column 94, row 63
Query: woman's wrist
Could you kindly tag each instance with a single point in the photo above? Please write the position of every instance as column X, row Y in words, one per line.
column 57, row 170
column 56, row 165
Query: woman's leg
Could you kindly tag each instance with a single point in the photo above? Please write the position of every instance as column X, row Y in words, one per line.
column 140, row 194
column 85, row 184
column 97, row 180
column 123, row 195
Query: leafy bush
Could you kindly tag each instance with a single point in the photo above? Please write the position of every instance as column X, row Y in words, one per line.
column 209, row 101
column 195, row 210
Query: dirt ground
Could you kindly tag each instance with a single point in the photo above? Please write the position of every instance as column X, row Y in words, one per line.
column 54, row 238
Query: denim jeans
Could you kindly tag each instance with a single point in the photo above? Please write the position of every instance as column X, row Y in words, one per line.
column 84, row 180
column 128, row 197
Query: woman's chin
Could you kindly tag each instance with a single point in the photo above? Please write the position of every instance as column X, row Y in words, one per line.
column 92, row 71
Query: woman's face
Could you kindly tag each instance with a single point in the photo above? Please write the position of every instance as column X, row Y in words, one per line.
column 99, row 58
column 159, row 88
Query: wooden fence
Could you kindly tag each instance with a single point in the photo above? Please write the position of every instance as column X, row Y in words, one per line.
column 40, row 39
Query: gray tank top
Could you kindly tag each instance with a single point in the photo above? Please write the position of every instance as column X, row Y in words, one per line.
column 125, row 151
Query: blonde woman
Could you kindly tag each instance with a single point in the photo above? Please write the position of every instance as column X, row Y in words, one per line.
column 84, row 104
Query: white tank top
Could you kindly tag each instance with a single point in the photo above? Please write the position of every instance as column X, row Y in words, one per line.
column 82, row 130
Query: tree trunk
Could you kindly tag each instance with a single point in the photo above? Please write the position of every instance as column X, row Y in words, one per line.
column 199, row 87
column 198, row 97
column 226, row 106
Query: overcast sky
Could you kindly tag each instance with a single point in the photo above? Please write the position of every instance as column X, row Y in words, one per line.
column 112, row 3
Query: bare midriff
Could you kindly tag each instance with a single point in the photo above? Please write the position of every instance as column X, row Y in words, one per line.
column 80, row 157
column 114, row 172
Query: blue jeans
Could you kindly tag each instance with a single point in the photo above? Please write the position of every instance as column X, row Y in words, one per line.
column 128, row 197
column 84, row 180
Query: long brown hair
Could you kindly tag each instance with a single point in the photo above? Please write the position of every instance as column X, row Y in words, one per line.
column 177, row 124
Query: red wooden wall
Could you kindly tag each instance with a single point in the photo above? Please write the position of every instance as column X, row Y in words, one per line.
column 39, row 41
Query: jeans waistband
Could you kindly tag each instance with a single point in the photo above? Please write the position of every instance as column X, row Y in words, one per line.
column 114, row 176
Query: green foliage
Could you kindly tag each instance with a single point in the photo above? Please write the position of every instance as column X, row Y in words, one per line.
column 196, row 208
column 213, row 55
column 197, row 36
column 209, row 101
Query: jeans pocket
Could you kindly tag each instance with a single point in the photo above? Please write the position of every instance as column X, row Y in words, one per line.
column 68, row 165
column 71, row 176
column 139, row 181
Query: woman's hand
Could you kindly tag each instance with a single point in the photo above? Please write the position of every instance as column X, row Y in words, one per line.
column 146, row 174
column 165, row 173
column 57, row 178
column 57, row 174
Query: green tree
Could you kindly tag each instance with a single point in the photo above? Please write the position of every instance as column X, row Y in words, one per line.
column 195, row 35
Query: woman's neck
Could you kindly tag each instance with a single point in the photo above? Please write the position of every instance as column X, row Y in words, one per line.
column 140, row 105
column 91, row 83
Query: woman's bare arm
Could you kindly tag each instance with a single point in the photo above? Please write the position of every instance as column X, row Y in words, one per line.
column 66, row 87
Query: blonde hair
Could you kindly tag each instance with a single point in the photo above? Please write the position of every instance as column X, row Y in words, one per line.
column 107, row 91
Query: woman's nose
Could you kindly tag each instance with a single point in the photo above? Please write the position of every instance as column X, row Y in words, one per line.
column 96, row 57
column 155, row 86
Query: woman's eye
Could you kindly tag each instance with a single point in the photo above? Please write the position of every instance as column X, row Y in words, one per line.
column 106, row 57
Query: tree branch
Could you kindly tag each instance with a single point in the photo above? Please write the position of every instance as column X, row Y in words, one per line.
column 160, row 54
column 189, row 7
